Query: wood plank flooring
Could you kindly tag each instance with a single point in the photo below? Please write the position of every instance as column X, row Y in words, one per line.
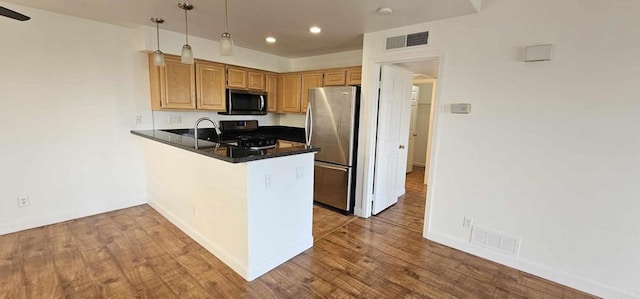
column 136, row 253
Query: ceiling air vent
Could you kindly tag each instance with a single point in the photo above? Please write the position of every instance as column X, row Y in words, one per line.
column 409, row 40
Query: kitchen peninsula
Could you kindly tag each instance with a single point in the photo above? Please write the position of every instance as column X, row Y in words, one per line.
column 250, row 208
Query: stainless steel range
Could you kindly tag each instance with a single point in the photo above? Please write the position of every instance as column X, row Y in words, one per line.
column 244, row 133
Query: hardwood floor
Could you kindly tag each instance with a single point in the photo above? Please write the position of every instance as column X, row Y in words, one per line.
column 137, row 253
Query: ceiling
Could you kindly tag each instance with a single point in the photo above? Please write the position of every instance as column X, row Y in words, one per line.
column 343, row 22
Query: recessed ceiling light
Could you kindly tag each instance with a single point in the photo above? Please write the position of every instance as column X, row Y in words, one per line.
column 315, row 29
column 270, row 39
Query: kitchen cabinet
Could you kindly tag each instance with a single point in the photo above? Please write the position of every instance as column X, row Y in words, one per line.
column 309, row 80
column 256, row 80
column 210, row 83
column 293, row 90
column 354, row 76
column 236, row 78
column 289, row 93
column 241, row 78
column 272, row 92
column 335, row 77
column 172, row 86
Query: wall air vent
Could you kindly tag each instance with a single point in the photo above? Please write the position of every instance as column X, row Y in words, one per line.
column 396, row 42
column 409, row 40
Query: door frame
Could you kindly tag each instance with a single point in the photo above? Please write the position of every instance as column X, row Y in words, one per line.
column 368, row 128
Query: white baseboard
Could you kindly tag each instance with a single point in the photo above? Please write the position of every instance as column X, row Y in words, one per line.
column 418, row 164
column 71, row 214
column 248, row 274
column 225, row 257
column 270, row 264
column 534, row 268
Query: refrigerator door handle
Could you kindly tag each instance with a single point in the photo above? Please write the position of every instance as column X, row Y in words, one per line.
column 308, row 125
column 329, row 166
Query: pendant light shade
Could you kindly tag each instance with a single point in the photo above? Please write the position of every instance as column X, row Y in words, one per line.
column 226, row 43
column 158, row 56
column 187, row 53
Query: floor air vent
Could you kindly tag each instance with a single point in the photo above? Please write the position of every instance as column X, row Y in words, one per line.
column 502, row 243
column 409, row 40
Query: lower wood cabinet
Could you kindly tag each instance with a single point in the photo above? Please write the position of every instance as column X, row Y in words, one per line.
column 210, row 83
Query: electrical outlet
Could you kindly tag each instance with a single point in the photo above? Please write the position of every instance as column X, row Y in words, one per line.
column 138, row 119
column 176, row 119
column 23, row 201
column 467, row 222
column 267, row 181
column 299, row 173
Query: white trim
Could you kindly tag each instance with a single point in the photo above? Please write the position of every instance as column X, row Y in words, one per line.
column 202, row 240
column 418, row 164
column 368, row 128
column 72, row 214
column 277, row 260
column 532, row 268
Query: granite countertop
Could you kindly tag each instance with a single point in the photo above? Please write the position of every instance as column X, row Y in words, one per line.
column 231, row 153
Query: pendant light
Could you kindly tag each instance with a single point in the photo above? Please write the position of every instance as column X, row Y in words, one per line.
column 158, row 56
column 187, row 54
column 226, row 43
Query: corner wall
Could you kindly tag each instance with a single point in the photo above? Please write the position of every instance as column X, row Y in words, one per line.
column 550, row 152
column 70, row 91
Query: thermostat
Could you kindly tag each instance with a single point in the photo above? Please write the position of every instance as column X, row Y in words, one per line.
column 461, row 108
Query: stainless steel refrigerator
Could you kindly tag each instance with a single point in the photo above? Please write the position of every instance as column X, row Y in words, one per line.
column 332, row 125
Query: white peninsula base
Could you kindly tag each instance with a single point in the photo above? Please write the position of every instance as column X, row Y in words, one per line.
column 253, row 216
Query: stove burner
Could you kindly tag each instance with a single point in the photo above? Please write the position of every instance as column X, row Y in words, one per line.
column 257, row 141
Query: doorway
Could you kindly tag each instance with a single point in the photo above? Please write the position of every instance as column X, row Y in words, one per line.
column 420, row 97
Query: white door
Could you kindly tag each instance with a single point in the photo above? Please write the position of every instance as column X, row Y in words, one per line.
column 392, row 136
column 412, row 128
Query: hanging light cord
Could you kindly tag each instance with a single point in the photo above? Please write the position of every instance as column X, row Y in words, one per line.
column 158, row 33
column 186, row 22
column 226, row 16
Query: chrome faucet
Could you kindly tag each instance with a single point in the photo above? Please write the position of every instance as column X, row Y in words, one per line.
column 195, row 129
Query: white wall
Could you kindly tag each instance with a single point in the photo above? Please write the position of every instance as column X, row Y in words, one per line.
column 172, row 42
column 550, row 152
column 342, row 59
column 70, row 90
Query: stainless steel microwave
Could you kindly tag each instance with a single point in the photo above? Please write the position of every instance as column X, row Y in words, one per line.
column 245, row 102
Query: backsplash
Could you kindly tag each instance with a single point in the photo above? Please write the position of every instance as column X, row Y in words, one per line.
column 187, row 119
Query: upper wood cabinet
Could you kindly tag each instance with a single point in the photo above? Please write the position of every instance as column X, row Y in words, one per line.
column 256, row 80
column 236, row 78
column 241, row 78
column 354, row 76
column 172, row 86
column 289, row 93
column 272, row 92
column 309, row 80
column 335, row 77
column 210, row 83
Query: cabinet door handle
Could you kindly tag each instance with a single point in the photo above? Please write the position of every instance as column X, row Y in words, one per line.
column 401, row 146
